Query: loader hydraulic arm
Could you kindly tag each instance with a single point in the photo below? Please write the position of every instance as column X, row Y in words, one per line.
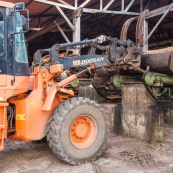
column 103, row 51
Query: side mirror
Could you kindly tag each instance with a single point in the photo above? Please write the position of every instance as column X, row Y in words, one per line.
column 19, row 6
column 25, row 23
column 20, row 19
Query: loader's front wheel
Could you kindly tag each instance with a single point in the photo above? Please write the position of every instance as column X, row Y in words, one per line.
column 77, row 131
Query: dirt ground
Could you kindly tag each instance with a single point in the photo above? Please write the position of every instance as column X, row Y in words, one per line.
column 124, row 155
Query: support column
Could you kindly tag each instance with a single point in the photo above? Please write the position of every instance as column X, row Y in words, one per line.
column 76, row 33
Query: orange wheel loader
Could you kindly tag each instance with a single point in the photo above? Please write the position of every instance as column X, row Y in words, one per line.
column 35, row 103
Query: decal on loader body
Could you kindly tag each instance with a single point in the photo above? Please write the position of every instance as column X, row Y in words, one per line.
column 88, row 61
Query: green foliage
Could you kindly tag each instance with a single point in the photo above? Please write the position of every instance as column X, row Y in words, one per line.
column 158, row 139
column 130, row 135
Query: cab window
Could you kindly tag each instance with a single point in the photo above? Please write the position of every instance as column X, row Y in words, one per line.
column 20, row 46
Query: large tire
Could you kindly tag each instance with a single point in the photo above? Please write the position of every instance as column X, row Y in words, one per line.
column 76, row 131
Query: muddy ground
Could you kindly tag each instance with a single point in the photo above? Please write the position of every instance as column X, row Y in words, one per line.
column 124, row 155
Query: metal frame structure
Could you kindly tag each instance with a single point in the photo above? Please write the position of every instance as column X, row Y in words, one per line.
column 160, row 11
column 71, row 16
column 78, row 8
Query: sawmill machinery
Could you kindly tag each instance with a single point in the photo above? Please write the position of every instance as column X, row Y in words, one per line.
column 128, row 63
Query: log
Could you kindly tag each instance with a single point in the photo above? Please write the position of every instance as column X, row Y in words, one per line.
column 160, row 60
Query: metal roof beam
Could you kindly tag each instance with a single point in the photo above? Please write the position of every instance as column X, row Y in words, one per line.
column 108, row 5
column 130, row 4
column 84, row 3
column 157, row 24
column 62, row 32
column 122, row 5
column 101, row 4
column 65, row 18
column 56, row 4
column 158, row 11
column 87, row 10
column 65, row 3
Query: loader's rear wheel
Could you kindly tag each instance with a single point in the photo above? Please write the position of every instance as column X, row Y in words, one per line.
column 77, row 131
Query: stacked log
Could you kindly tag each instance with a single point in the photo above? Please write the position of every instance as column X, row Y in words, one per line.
column 160, row 60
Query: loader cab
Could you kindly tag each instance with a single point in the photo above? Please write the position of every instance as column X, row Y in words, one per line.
column 14, row 67
column 13, row 53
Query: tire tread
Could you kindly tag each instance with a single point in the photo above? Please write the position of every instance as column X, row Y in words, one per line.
column 54, row 126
